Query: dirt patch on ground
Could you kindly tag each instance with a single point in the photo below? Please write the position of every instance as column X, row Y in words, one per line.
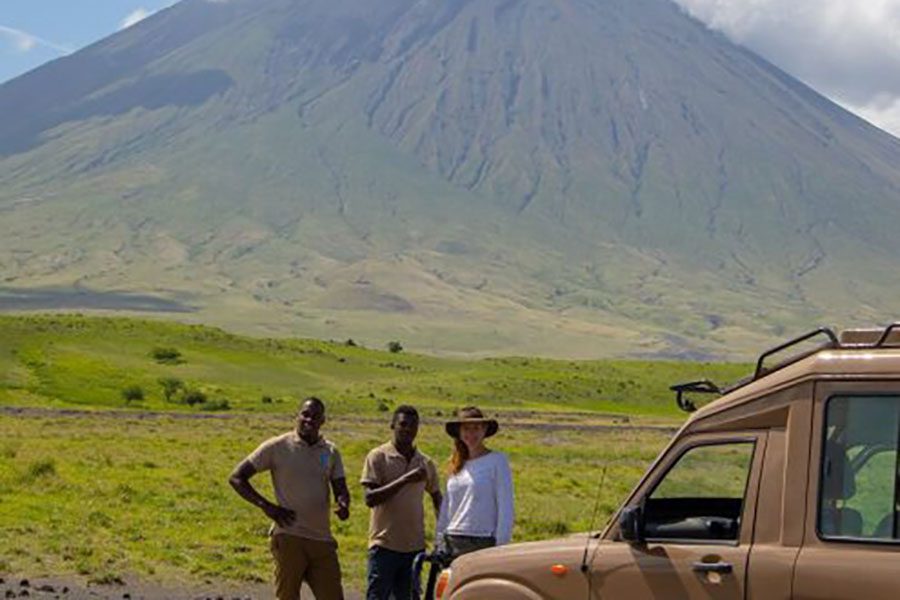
column 544, row 422
column 66, row 589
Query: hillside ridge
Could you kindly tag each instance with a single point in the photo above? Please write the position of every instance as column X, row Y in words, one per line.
column 572, row 178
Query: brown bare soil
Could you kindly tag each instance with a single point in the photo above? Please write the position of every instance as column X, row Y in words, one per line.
column 67, row 589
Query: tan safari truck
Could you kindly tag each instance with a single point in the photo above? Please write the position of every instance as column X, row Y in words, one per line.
column 785, row 487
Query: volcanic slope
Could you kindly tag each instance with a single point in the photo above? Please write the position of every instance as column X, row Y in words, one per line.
column 558, row 177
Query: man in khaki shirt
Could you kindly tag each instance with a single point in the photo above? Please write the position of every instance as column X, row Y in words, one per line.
column 396, row 476
column 304, row 466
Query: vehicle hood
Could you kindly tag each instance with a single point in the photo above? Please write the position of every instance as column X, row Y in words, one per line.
column 527, row 564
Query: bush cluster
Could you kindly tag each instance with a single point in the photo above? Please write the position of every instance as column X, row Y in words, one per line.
column 193, row 397
column 167, row 356
column 216, row 405
column 133, row 393
column 178, row 392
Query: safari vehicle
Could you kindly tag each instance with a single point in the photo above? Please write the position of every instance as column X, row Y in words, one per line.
column 785, row 487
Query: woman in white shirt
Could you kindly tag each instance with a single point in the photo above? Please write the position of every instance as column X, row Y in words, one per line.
column 477, row 511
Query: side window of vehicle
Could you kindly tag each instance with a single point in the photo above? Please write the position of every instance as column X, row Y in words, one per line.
column 859, row 481
column 702, row 495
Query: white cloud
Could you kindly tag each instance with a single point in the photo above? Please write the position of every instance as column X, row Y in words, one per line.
column 23, row 41
column 884, row 112
column 135, row 16
column 141, row 13
column 847, row 49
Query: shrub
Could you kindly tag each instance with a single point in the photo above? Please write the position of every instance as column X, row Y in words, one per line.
column 394, row 347
column 216, row 405
column 41, row 468
column 170, row 386
column 133, row 393
column 194, row 397
column 167, row 356
column 266, row 399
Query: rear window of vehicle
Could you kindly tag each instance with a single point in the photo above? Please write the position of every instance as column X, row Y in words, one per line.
column 858, row 495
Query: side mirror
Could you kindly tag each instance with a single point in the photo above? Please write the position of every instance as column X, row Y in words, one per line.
column 631, row 524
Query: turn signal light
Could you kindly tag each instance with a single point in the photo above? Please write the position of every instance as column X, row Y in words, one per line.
column 441, row 586
column 559, row 570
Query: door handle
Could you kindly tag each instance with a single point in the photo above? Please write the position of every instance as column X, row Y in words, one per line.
column 713, row 567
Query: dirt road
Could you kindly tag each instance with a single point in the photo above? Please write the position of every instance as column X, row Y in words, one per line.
column 544, row 421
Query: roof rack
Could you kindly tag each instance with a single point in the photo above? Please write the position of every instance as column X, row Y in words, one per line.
column 884, row 336
column 706, row 386
column 833, row 342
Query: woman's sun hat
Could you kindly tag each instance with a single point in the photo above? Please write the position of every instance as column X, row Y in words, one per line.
column 471, row 414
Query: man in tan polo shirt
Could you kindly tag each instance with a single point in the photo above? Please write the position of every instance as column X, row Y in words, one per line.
column 304, row 466
column 396, row 476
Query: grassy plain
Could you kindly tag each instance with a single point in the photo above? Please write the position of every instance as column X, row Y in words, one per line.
column 107, row 497
column 79, row 361
column 121, row 489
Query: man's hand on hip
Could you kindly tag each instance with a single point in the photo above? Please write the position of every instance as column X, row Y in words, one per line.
column 283, row 516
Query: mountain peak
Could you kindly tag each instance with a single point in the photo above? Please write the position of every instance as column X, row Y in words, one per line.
column 483, row 175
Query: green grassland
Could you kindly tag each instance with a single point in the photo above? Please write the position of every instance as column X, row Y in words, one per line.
column 107, row 498
column 121, row 489
column 78, row 361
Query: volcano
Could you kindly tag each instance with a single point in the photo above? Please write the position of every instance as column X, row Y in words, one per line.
column 555, row 177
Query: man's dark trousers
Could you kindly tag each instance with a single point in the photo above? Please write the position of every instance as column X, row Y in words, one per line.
column 390, row 574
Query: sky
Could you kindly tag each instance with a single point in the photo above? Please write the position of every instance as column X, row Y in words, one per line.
column 848, row 50
column 33, row 32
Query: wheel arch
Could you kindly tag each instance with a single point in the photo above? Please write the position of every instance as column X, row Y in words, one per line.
column 495, row 589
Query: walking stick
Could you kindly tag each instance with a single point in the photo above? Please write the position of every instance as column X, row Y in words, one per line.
column 438, row 561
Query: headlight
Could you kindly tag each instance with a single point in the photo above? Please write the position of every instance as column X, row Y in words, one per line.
column 443, row 583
